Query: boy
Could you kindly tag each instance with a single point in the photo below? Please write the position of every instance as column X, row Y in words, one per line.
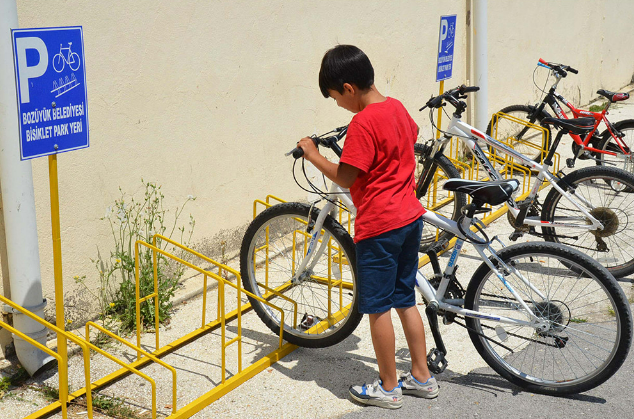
column 377, row 164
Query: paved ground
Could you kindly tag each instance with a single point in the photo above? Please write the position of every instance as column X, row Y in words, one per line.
column 313, row 383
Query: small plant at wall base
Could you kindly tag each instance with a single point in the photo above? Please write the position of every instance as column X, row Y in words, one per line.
column 130, row 220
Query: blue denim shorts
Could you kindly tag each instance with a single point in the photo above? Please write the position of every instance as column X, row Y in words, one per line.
column 386, row 268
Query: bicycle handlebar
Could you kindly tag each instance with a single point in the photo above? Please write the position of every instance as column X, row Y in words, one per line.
column 326, row 141
column 452, row 96
column 560, row 69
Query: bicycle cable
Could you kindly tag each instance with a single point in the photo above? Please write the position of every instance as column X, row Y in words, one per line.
column 431, row 119
column 541, row 89
column 315, row 190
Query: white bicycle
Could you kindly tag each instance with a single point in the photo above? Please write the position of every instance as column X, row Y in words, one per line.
column 544, row 316
column 589, row 208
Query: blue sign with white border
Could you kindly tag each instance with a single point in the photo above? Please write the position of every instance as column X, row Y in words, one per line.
column 50, row 75
column 446, row 40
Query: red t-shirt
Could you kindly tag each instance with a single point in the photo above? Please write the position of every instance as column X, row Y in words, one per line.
column 380, row 142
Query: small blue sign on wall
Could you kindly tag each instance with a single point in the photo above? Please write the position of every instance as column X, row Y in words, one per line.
column 446, row 40
column 50, row 75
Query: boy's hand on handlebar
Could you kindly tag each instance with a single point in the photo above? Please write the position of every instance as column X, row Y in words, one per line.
column 308, row 145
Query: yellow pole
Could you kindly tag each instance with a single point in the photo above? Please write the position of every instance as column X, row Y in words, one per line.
column 59, row 281
column 442, row 87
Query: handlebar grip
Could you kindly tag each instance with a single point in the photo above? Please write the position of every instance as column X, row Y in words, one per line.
column 466, row 89
column 572, row 70
column 543, row 62
column 297, row 152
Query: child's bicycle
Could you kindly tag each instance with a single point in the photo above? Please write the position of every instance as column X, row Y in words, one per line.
column 613, row 146
column 544, row 316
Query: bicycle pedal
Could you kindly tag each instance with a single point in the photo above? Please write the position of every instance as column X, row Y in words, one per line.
column 570, row 163
column 515, row 235
column 436, row 361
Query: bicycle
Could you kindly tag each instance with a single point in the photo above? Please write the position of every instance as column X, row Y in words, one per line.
column 596, row 203
column 612, row 146
column 59, row 60
column 530, row 300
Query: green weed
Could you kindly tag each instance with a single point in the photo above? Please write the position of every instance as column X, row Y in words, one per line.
column 133, row 219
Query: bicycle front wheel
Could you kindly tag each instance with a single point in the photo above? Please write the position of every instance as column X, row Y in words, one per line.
column 527, row 141
column 621, row 160
column 320, row 304
column 585, row 325
column 608, row 194
column 438, row 200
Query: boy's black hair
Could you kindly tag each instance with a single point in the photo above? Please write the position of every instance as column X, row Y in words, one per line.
column 345, row 64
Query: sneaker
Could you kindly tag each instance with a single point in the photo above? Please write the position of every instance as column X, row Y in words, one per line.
column 374, row 394
column 410, row 385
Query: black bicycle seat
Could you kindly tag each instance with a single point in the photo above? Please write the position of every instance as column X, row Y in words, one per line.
column 613, row 96
column 575, row 126
column 492, row 192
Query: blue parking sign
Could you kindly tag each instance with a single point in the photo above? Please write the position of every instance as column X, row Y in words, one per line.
column 446, row 40
column 50, row 75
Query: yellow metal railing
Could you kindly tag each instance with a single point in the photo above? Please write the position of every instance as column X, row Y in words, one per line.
column 86, row 346
column 144, row 357
column 221, row 299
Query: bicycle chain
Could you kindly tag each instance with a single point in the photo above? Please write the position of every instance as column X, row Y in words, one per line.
column 508, row 333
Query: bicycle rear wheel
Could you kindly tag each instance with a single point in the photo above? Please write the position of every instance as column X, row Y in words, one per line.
column 610, row 192
column 325, row 295
column 587, row 321
column 621, row 161
column 437, row 199
column 526, row 141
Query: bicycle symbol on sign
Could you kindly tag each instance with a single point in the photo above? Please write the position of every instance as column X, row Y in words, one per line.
column 72, row 59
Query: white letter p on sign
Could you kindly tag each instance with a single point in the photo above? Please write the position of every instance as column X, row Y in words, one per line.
column 443, row 33
column 30, row 72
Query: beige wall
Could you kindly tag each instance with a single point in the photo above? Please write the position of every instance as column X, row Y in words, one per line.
column 205, row 97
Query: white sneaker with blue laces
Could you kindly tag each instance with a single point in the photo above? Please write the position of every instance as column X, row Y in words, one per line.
column 374, row 394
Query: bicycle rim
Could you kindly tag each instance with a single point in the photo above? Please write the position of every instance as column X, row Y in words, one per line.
column 527, row 141
column 581, row 346
column 620, row 160
column 610, row 193
column 325, row 295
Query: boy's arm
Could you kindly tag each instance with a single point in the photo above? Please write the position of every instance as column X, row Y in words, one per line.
column 342, row 174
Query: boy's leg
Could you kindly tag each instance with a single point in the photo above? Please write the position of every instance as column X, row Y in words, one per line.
column 383, row 341
column 415, row 335
column 405, row 302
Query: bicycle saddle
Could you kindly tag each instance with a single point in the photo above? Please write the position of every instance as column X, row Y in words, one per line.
column 490, row 192
column 612, row 96
column 577, row 126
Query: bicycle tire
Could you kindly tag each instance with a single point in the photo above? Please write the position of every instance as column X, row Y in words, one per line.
column 437, row 199
column 620, row 161
column 508, row 129
column 588, row 324
column 276, row 226
column 610, row 192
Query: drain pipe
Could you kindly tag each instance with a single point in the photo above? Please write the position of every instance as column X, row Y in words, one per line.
column 480, row 64
column 16, row 181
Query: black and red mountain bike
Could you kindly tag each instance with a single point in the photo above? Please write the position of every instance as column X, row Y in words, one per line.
column 613, row 146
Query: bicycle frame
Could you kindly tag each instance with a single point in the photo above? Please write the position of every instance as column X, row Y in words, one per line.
column 422, row 284
column 551, row 99
column 469, row 135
